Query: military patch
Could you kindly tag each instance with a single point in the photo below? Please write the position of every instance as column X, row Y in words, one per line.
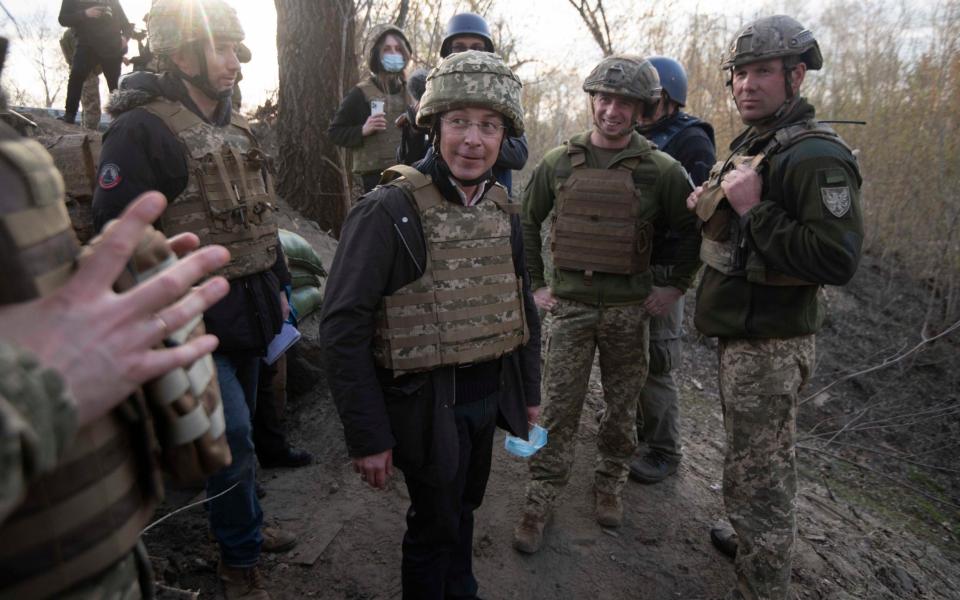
column 109, row 176
column 836, row 199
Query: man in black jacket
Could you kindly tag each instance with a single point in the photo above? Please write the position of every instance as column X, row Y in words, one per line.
column 102, row 33
column 690, row 141
column 176, row 133
column 431, row 334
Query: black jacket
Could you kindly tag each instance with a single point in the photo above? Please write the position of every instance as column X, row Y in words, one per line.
column 139, row 154
column 412, row 413
column 104, row 33
column 689, row 140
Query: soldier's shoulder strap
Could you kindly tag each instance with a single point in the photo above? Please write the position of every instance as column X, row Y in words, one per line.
column 788, row 136
column 177, row 117
column 369, row 89
column 498, row 195
column 238, row 120
column 416, row 184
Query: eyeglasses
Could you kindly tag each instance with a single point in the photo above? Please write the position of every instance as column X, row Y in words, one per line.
column 486, row 128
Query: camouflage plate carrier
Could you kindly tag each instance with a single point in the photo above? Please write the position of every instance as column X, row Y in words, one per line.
column 468, row 305
column 723, row 246
column 596, row 227
column 379, row 150
column 228, row 200
column 86, row 514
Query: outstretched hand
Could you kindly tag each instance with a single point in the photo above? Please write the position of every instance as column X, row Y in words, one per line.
column 104, row 344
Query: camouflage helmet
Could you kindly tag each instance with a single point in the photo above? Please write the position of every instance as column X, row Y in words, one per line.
column 172, row 24
column 472, row 79
column 773, row 37
column 373, row 38
column 629, row 76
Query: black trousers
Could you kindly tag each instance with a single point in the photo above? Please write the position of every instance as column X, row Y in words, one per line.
column 438, row 546
column 269, row 432
column 85, row 60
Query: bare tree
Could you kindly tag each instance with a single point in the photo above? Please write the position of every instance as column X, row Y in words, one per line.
column 315, row 51
column 595, row 18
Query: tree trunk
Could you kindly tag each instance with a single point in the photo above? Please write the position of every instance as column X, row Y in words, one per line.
column 315, row 51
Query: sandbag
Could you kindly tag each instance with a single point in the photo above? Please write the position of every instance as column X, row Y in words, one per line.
column 303, row 278
column 300, row 253
column 306, row 300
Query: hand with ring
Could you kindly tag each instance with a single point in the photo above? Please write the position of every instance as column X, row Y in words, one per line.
column 104, row 344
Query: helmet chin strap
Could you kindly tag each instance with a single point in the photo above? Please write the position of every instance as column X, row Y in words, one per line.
column 202, row 80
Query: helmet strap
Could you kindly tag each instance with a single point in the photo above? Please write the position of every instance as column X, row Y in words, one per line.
column 201, row 80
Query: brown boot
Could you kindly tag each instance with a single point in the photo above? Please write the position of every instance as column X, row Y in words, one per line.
column 242, row 583
column 528, row 535
column 609, row 509
column 277, row 540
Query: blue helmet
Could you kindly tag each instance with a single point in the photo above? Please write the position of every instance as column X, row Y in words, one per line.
column 673, row 78
column 466, row 23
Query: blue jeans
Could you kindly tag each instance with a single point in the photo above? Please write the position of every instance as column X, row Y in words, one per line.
column 235, row 517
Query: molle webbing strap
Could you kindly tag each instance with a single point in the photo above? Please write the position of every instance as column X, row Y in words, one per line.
column 36, row 224
column 720, row 256
column 499, row 196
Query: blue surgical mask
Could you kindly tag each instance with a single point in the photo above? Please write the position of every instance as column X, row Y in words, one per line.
column 518, row 447
column 393, row 63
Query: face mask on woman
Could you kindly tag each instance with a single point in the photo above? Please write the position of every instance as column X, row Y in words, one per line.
column 393, row 63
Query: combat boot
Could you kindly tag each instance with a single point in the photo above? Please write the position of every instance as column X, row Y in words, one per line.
column 725, row 539
column 241, row 583
column 652, row 467
column 528, row 534
column 609, row 509
column 277, row 540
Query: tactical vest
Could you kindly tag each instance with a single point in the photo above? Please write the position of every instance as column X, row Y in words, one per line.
column 229, row 198
column 467, row 307
column 597, row 226
column 86, row 514
column 379, row 150
column 682, row 121
column 724, row 247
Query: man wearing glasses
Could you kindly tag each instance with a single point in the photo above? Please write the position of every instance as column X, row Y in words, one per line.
column 609, row 191
column 429, row 324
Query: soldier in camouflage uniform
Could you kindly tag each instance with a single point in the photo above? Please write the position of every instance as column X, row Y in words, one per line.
column 781, row 218
column 71, row 354
column 429, row 326
column 90, row 93
column 609, row 191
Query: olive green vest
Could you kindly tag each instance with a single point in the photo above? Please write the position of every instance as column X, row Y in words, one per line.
column 596, row 227
column 229, row 200
column 467, row 307
column 379, row 150
column 724, row 247
column 86, row 514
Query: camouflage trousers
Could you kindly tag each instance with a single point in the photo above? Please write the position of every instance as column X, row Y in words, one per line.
column 658, row 418
column 575, row 331
column 759, row 384
column 90, row 101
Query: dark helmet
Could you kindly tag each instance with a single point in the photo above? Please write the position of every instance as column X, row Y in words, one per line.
column 773, row 37
column 673, row 77
column 629, row 76
column 417, row 83
column 466, row 23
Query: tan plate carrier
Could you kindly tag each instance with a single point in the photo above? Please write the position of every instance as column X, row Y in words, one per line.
column 229, row 198
column 468, row 305
column 379, row 150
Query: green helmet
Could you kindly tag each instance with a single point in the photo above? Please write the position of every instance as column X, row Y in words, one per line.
column 373, row 38
column 173, row 24
column 472, row 79
column 773, row 37
column 629, row 76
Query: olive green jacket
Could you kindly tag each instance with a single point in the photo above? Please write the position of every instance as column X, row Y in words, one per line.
column 665, row 208
column 794, row 231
